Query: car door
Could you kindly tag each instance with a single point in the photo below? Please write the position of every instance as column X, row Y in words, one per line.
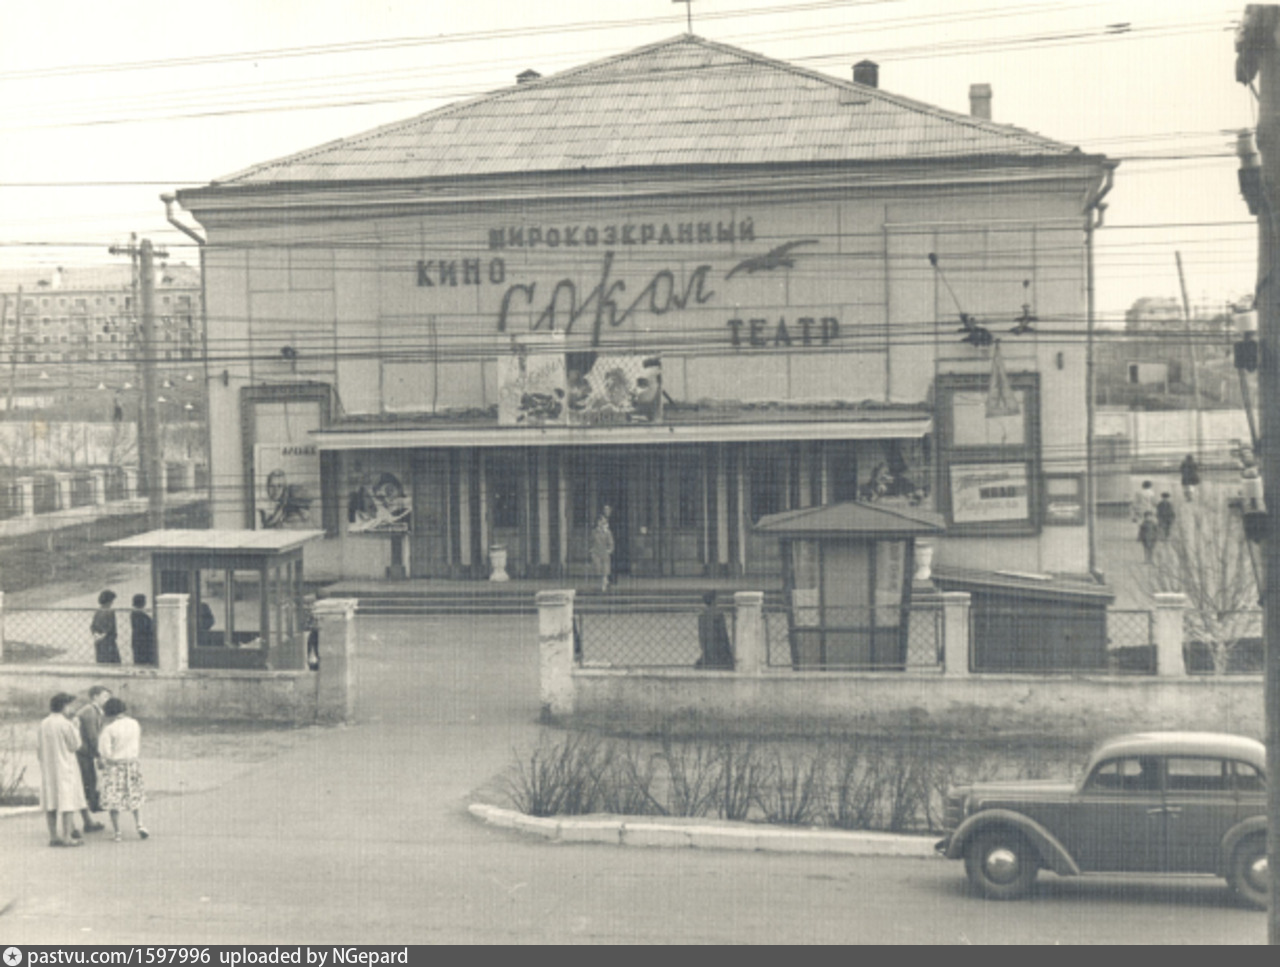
column 1118, row 818
column 1200, row 806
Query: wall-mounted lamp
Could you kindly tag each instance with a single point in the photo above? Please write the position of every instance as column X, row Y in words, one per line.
column 226, row 378
column 1060, row 360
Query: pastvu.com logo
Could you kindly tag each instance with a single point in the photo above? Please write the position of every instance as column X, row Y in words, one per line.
column 12, row 956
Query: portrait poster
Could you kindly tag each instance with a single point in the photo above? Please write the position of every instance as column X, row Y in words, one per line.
column 531, row 382
column 286, row 486
column 379, row 499
column 989, row 492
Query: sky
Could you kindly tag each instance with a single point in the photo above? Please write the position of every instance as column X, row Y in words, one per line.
column 105, row 106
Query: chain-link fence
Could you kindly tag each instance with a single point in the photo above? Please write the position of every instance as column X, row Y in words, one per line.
column 58, row 636
column 1131, row 648
column 636, row 634
column 855, row 639
column 1222, row 642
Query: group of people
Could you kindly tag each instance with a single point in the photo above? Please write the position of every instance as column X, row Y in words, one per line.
column 89, row 764
column 106, row 647
column 1155, row 518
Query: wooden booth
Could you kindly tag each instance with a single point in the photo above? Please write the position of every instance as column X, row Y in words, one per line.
column 245, row 587
column 846, row 571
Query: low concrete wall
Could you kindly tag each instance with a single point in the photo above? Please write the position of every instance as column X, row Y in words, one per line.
column 208, row 695
column 802, row 702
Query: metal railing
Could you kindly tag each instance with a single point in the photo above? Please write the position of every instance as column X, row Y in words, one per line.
column 639, row 634
column 59, row 636
column 855, row 639
column 1131, row 643
column 1222, row 642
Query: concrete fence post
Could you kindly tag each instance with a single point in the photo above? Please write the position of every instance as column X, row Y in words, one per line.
column 171, row 632
column 27, row 488
column 99, row 478
column 64, row 490
column 555, row 650
column 335, row 620
column 1168, row 634
column 955, row 633
column 1, row 627
column 750, row 650
column 130, row 484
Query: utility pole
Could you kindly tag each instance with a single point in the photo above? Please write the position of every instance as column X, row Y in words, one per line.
column 150, row 465
column 1258, row 56
column 1192, row 356
column 13, row 350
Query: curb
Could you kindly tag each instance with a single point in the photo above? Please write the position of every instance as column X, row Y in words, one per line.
column 668, row 832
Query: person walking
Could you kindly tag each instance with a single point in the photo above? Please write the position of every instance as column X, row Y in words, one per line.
column 142, row 632
column 1165, row 516
column 89, row 721
column 1144, row 500
column 602, row 547
column 61, row 789
column 119, row 747
column 104, row 631
column 1190, row 471
column 1148, row 535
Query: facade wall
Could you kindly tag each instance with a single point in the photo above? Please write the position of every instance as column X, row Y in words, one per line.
column 756, row 305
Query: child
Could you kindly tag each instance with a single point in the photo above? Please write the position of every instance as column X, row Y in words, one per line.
column 119, row 746
column 1148, row 534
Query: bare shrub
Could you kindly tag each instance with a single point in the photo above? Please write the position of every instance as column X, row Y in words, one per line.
column 857, row 776
column 627, row 785
column 795, row 791
column 694, row 770
column 559, row 777
column 11, row 774
column 741, row 771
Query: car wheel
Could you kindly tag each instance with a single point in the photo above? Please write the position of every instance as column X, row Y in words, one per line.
column 1249, row 875
column 1001, row 864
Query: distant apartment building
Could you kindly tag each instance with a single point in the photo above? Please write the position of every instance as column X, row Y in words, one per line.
column 86, row 315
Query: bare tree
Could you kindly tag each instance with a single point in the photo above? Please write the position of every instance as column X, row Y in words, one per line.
column 1206, row 558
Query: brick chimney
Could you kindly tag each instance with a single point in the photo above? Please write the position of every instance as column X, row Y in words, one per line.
column 524, row 77
column 866, row 73
column 980, row 101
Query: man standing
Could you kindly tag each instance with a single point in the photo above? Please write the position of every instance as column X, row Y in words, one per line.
column 1165, row 516
column 1148, row 535
column 1190, row 471
column 61, row 790
column 90, row 719
column 143, row 632
column 602, row 547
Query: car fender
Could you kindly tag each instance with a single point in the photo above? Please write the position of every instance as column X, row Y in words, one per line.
column 1052, row 852
column 1247, row 827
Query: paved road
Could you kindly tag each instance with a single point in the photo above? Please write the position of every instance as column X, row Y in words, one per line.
column 360, row 835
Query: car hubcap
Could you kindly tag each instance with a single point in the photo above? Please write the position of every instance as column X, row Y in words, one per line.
column 1002, row 864
column 1257, row 874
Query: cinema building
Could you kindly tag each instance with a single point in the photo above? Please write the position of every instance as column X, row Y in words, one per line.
column 690, row 282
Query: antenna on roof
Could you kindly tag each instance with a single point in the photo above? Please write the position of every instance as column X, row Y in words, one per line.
column 688, row 10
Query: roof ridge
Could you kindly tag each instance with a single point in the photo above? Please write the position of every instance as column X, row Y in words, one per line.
column 446, row 109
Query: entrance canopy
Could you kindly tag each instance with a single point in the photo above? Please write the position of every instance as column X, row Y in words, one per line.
column 439, row 433
column 851, row 520
column 221, row 541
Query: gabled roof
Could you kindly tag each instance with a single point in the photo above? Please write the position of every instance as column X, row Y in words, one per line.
column 851, row 520
column 684, row 101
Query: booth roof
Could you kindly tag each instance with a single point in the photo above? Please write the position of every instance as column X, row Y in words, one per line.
column 214, row 539
column 851, row 519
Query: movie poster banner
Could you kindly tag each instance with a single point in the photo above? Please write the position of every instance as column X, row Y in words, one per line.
column 989, row 492
column 379, row 497
column 540, row 385
column 286, row 486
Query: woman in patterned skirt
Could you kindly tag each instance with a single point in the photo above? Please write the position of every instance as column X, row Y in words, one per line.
column 120, row 787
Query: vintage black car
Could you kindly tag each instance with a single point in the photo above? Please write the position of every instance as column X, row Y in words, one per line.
column 1159, row 802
